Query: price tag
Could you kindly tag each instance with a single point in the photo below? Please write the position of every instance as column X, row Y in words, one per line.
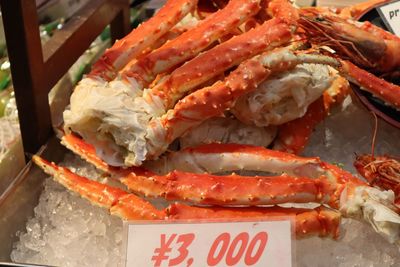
column 262, row 243
column 390, row 15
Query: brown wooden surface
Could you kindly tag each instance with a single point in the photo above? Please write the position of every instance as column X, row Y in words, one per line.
column 35, row 70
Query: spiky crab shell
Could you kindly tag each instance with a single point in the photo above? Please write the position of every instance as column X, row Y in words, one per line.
column 335, row 187
column 320, row 221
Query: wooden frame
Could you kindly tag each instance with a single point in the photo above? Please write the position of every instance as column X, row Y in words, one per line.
column 36, row 69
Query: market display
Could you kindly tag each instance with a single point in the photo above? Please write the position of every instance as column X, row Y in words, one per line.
column 264, row 64
column 67, row 230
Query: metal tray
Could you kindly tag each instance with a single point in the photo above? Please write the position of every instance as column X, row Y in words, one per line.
column 21, row 197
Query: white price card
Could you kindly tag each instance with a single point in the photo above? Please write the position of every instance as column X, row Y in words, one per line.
column 390, row 15
column 261, row 243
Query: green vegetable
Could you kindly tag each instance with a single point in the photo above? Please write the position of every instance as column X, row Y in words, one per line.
column 5, row 78
column 49, row 28
column 338, row 164
column 83, row 69
column 3, row 103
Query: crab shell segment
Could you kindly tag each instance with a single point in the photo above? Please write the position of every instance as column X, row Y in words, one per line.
column 388, row 92
column 283, row 9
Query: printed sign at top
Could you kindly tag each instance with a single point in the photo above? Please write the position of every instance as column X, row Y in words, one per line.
column 390, row 14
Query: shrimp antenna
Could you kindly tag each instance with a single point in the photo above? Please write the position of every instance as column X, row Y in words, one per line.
column 374, row 135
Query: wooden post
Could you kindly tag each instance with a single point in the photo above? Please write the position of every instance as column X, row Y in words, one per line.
column 35, row 70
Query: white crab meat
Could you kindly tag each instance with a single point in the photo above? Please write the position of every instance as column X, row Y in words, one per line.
column 112, row 117
column 284, row 97
column 375, row 207
column 228, row 130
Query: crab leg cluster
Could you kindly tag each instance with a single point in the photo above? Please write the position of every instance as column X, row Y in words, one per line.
column 155, row 99
column 190, row 43
column 213, row 101
column 303, row 180
column 97, row 113
column 164, row 80
column 321, row 221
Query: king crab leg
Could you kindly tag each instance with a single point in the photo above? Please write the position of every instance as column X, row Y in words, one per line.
column 114, row 199
column 230, row 189
column 175, row 184
column 213, row 158
column 203, row 158
column 384, row 90
column 140, row 38
column 320, row 221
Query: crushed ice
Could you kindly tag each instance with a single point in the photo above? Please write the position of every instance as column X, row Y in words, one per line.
column 68, row 231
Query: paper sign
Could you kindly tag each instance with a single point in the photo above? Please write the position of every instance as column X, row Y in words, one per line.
column 390, row 15
column 263, row 243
